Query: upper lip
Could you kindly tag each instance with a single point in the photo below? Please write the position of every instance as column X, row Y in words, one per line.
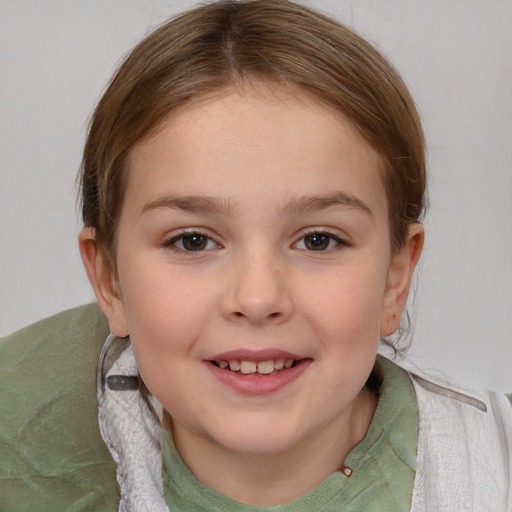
column 255, row 355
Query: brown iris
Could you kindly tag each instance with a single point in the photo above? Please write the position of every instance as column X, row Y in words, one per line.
column 194, row 242
column 317, row 241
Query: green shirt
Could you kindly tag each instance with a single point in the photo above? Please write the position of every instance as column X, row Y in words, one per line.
column 52, row 457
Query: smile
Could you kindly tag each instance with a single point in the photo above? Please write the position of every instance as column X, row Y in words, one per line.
column 259, row 373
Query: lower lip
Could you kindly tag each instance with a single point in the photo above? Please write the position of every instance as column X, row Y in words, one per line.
column 252, row 384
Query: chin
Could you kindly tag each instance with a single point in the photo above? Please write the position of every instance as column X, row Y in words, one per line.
column 265, row 440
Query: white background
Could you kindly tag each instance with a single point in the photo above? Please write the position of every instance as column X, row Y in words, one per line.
column 57, row 55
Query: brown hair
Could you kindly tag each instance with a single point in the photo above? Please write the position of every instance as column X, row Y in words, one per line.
column 228, row 42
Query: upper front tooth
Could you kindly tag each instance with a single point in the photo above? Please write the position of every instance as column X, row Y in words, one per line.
column 266, row 367
column 234, row 365
column 279, row 364
column 247, row 366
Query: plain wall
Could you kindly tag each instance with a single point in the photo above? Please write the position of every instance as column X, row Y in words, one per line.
column 56, row 57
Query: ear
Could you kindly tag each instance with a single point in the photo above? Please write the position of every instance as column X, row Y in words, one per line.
column 400, row 273
column 103, row 283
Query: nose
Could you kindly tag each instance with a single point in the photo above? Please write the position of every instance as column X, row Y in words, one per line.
column 258, row 292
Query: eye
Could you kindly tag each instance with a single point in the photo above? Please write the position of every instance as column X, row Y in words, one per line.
column 320, row 241
column 191, row 242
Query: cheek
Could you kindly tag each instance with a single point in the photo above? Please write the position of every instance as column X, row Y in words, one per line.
column 345, row 307
column 156, row 294
column 167, row 312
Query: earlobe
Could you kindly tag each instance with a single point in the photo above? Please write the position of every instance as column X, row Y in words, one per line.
column 103, row 283
column 400, row 274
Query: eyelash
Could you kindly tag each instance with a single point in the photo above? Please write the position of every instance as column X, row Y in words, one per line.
column 325, row 236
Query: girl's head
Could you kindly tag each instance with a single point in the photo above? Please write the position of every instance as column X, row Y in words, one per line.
column 252, row 184
column 240, row 43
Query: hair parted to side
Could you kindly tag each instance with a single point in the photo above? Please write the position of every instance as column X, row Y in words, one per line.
column 230, row 42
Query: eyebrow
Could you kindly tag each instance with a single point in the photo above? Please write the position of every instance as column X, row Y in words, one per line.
column 293, row 205
column 192, row 204
column 304, row 204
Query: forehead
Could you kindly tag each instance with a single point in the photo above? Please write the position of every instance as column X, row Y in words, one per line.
column 256, row 142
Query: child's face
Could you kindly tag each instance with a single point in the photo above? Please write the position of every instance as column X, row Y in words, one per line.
column 255, row 228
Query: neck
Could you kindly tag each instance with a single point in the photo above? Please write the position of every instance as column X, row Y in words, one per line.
column 284, row 476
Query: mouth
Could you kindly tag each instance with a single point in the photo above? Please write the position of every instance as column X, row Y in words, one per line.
column 264, row 368
column 257, row 372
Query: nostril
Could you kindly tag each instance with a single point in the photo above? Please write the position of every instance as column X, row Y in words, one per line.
column 239, row 314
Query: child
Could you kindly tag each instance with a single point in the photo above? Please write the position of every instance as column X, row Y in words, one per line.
column 252, row 189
